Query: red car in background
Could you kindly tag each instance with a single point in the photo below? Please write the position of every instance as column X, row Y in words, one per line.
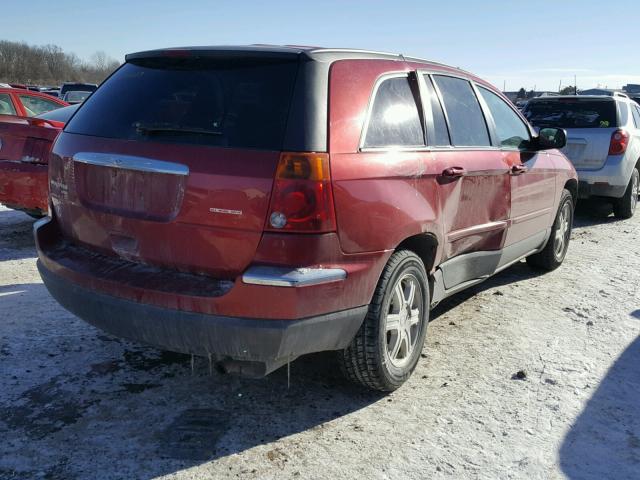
column 26, row 103
column 24, row 155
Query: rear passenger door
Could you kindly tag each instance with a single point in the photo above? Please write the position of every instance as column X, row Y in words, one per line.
column 474, row 181
column 533, row 178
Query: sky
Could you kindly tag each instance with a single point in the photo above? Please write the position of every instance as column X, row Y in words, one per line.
column 536, row 44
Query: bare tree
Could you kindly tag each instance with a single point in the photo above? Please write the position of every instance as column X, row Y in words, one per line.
column 50, row 65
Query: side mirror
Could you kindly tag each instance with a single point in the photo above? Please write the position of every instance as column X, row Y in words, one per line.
column 549, row 138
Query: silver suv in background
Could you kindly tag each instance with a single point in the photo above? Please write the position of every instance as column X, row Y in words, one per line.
column 603, row 143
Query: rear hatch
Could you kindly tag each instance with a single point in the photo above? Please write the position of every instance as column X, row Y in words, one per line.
column 589, row 122
column 171, row 161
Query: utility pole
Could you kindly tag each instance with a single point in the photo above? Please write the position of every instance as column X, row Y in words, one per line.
column 575, row 85
column 560, row 86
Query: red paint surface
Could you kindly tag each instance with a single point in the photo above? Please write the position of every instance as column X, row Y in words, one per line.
column 14, row 94
column 26, row 144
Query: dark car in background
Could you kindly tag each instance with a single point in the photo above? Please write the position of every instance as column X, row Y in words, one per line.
column 74, row 97
column 76, row 87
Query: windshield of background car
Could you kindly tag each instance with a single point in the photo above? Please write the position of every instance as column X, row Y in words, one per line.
column 572, row 113
column 78, row 87
column 239, row 103
column 76, row 96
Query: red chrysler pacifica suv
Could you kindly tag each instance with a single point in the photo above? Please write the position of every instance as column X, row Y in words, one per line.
column 254, row 204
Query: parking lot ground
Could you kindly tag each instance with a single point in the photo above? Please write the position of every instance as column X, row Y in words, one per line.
column 78, row 403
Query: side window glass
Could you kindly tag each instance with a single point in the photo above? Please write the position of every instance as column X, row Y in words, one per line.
column 623, row 108
column 511, row 130
column 36, row 105
column 6, row 106
column 394, row 120
column 466, row 121
column 635, row 110
column 440, row 131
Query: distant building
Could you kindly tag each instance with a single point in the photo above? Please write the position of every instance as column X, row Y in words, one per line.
column 513, row 96
column 631, row 88
column 597, row 91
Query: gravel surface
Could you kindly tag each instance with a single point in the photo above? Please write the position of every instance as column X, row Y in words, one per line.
column 524, row 376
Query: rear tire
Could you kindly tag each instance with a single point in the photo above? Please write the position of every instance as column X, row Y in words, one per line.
column 386, row 349
column 625, row 207
column 552, row 256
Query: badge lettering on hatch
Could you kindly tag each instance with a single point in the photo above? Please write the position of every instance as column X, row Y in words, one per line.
column 225, row 211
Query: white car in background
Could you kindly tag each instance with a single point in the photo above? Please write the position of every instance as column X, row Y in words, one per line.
column 603, row 143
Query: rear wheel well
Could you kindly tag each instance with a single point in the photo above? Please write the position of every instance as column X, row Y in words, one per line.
column 572, row 186
column 424, row 245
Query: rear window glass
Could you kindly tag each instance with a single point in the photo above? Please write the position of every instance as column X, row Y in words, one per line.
column 37, row 105
column 238, row 104
column 394, row 119
column 572, row 113
column 79, row 87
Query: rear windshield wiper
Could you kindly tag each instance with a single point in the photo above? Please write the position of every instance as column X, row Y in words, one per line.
column 171, row 129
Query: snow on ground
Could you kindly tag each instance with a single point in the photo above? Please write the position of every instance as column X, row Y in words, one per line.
column 78, row 403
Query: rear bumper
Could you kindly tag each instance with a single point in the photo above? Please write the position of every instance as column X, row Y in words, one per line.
column 24, row 186
column 252, row 347
column 609, row 181
column 601, row 189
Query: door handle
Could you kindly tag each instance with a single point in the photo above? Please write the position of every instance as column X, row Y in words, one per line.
column 454, row 172
column 519, row 169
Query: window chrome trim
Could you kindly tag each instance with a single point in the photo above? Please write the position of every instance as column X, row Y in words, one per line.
column 291, row 277
column 431, row 148
column 128, row 162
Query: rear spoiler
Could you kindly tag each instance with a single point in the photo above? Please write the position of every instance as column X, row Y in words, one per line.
column 26, row 121
column 220, row 53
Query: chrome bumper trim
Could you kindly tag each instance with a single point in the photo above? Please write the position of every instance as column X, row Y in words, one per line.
column 128, row 162
column 292, row 277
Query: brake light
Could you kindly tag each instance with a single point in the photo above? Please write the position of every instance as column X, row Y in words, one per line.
column 619, row 142
column 302, row 197
column 38, row 122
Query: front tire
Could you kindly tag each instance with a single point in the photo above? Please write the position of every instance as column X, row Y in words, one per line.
column 386, row 349
column 625, row 207
column 552, row 256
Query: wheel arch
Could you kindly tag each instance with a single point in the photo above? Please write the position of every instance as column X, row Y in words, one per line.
column 425, row 245
column 572, row 186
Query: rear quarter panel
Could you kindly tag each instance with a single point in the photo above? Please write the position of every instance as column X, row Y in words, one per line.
column 381, row 198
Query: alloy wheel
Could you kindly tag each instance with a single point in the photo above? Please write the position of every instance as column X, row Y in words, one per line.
column 563, row 232
column 402, row 322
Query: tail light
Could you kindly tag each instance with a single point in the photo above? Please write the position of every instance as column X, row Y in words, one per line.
column 619, row 142
column 302, row 198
